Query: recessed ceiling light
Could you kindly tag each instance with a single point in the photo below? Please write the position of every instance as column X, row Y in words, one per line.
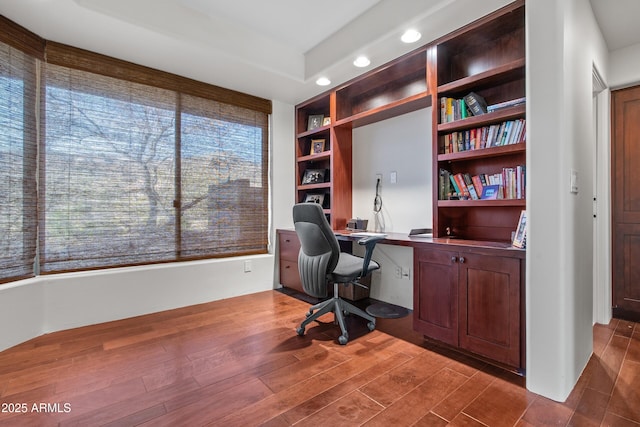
column 323, row 81
column 411, row 36
column 361, row 61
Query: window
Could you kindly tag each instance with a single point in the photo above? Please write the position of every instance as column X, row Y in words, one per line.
column 135, row 174
column 104, row 163
column 18, row 144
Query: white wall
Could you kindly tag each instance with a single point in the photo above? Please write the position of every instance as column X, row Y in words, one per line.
column 624, row 67
column 401, row 144
column 55, row 302
column 563, row 44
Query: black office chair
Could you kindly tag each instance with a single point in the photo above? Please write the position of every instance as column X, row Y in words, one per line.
column 320, row 262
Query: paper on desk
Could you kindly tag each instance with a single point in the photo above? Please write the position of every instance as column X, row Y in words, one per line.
column 367, row 234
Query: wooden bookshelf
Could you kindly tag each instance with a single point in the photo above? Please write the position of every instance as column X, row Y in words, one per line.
column 488, row 58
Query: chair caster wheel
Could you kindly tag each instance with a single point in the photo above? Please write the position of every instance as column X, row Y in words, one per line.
column 371, row 326
column 342, row 339
column 300, row 331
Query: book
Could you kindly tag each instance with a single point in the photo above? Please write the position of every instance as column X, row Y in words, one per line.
column 455, row 185
column 459, row 180
column 470, row 187
column 477, row 184
column 477, row 105
column 506, row 104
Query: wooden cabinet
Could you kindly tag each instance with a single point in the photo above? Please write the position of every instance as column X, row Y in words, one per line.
column 435, row 294
column 487, row 58
column 288, row 249
column 471, row 300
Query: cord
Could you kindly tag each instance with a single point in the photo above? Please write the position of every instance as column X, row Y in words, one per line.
column 377, row 209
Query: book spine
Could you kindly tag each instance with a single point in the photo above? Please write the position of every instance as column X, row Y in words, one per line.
column 455, row 185
column 461, row 185
column 477, row 184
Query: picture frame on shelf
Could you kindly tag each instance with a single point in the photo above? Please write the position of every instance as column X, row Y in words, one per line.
column 317, row 146
column 313, row 176
column 314, row 198
column 326, row 121
column 520, row 236
column 315, row 121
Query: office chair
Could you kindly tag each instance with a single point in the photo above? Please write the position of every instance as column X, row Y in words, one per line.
column 321, row 262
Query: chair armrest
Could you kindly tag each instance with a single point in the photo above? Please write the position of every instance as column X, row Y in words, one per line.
column 369, row 243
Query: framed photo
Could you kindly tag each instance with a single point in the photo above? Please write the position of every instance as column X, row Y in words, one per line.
column 326, row 121
column 520, row 236
column 314, row 198
column 317, row 146
column 313, row 176
column 315, row 121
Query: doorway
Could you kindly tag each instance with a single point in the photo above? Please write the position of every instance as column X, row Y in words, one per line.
column 625, row 167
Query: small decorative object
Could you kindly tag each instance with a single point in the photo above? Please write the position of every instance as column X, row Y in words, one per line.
column 490, row 192
column 313, row 176
column 520, row 237
column 315, row 121
column 326, row 121
column 317, row 146
column 314, row 198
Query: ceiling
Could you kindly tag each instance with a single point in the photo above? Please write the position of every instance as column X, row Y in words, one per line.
column 274, row 49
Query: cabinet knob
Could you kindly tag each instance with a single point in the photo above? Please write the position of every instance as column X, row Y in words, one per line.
column 454, row 259
column 461, row 260
column 287, row 240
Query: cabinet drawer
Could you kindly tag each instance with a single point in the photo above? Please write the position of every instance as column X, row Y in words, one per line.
column 289, row 275
column 289, row 246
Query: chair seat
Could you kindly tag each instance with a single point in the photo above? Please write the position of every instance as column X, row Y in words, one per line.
column 349, row 268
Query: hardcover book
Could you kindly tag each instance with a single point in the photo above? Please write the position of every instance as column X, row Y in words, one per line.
column 476, row 104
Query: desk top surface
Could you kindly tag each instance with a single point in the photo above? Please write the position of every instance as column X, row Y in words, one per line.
column 403, row 239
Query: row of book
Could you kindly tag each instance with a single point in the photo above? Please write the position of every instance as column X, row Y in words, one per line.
column 472, row 104
column 508, row 184
column 505, row 133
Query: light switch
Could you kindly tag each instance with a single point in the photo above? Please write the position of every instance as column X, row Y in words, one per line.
column 394, row 177
column 573, row 182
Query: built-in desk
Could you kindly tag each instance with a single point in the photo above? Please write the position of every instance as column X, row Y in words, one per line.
column 467, row 294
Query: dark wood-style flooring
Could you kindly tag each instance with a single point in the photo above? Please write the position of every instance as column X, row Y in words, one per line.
column 238, row 362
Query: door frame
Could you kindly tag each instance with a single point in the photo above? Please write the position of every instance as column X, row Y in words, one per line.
column 602, row 268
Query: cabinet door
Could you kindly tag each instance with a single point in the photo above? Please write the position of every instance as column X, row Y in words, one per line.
column 489, row 303
column 288, row 247
column 435, row 294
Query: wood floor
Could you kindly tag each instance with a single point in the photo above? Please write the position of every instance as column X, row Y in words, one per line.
column 238, row 362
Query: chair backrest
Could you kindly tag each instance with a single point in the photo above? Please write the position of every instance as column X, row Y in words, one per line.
column 319, row 248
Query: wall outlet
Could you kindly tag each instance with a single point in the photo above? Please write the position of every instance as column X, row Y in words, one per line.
column 247, row 266
column 398, row 272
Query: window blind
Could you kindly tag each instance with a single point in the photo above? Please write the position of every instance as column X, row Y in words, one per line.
column 135, row 174
column 18, row 151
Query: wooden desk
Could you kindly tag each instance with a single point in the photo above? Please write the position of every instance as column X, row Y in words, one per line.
column 468, row 294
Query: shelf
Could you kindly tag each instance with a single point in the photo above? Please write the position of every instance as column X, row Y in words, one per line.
column 316, row 131
column 501, row 115
column 315, row 157
column 387, row 111
column 513, row 70
column 503, row 150
column 482, row 203
column 321, row 186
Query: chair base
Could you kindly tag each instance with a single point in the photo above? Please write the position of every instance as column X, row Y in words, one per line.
column 339, row 307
